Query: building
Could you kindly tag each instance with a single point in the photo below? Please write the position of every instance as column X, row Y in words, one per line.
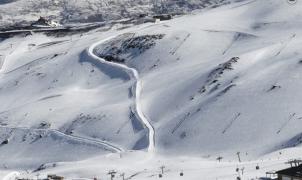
column 292, row 173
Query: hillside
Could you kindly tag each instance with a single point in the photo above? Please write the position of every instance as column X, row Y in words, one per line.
column 227, row 83
column 224, row 82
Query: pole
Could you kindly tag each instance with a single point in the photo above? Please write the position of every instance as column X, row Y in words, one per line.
column 238, row 154
column 162, row 169
column 112, row 174
column 123, row 176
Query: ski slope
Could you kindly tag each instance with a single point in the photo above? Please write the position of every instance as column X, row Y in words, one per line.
column 222, row 83
column 11, row 176
column 83, row 130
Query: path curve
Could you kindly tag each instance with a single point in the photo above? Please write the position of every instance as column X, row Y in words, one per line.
column 137, row 87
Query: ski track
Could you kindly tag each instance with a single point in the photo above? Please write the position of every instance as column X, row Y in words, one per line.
column 113, row 148
column 138, row 89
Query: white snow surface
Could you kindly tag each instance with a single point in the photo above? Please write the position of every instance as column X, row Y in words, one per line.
column 217, row 82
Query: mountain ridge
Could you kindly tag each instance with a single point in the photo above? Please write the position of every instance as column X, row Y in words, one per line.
column 87, row 11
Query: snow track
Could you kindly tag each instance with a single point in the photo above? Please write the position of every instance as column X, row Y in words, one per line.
column 137, row 87
column 113, row 148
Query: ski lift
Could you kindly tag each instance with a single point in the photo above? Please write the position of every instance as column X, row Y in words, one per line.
column 257, row 167
column 160, row 175
column 181, row 174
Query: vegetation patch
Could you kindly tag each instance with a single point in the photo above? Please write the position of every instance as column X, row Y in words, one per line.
column 127, row 47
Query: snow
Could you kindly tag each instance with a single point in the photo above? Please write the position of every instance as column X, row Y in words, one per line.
column 145, row 168
column 11, row 175
column 219, row 82
column 51, row 79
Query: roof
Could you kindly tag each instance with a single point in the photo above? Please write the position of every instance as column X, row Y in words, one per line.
column 293, row 171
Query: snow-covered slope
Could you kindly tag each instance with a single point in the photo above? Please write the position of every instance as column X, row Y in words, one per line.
column 224, row 82
column 54, row 93
column 221, row 82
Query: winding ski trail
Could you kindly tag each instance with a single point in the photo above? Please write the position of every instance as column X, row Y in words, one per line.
column 137, row 87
